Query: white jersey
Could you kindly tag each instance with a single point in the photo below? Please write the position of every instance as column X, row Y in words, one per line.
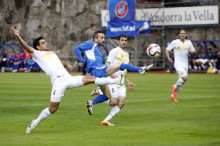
column 119, row 55
column 49, row 63
column 181, row 51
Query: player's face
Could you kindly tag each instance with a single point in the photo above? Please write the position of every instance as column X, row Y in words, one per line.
column 123, row 42
column 43, row 45
column 182, row 35
column 101, row 39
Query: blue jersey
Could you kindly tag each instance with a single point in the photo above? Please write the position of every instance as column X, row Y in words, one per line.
column 92, row 52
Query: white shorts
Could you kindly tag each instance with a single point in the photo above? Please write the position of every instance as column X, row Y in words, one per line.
column 60, row 84
column 181, row 70
column 203, row 61
column 117, row 90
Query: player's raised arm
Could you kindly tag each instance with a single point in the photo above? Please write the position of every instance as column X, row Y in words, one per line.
column 21, row 41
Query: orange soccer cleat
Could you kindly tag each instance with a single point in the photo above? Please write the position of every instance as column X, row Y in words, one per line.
column 95, row 91
column 173, row 98
column 106, row 123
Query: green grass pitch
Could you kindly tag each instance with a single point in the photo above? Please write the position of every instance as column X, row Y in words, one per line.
column 148, row 118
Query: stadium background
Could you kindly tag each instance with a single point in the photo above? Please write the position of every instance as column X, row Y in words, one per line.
column 149, row 117
column 67, row 23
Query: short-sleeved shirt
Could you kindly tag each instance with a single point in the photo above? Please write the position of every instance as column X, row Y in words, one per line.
column 119, row 55
column 181, row 51
column 49, row 63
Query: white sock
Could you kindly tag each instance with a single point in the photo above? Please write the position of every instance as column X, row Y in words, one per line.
column 113, row 112
column 179, row 84
column 105, row 81
column 43, row 115
column 107, row 101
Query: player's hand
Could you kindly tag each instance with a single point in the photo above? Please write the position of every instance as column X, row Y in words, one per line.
column 131, row 86
column 192, row 52
column 113, row 76
column 81, row 64
column 70, row 67
column 170, row 60
column 15, row 31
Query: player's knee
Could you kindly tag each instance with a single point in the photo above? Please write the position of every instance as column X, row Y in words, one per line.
column 113, row 102
column 88, row 79
column 184, row 78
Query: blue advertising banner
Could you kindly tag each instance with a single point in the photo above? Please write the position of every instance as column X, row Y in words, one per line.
column 115, row 28
column 121, row 10
column 129, row 28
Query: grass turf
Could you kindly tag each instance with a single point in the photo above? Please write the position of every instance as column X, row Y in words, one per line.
column 148, row 118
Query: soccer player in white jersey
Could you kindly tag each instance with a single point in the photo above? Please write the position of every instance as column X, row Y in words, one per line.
column 60, row 78
column 118, row 91
column 181, row 47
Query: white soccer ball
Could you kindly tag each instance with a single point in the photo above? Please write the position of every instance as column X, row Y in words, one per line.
column 153, row 50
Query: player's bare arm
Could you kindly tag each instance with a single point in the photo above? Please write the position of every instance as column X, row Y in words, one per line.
column 21, row 41
column 65, row 64
column 168, row 56
column 130, row 85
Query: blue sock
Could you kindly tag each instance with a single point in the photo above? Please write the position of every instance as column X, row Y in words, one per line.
column 129, row 67
column 100, row 99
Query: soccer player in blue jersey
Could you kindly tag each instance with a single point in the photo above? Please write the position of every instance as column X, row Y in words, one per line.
column 96, row 67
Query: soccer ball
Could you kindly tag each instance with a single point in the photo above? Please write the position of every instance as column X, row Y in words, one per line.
column 153, row 50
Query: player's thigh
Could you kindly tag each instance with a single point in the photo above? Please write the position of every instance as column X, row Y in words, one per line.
column 114, row 90
column 105, row 90
column 60, row 85
column 182, row 71
column 58, row 89
column 112, row 68
column 121, row 90
column 74, row 81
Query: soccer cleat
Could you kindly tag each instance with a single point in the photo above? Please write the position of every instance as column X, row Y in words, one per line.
column 106, row 123
column 89, row 106
column 95, row 91
column 146, row 68
column 31, row 128
column 173, row 98
column 174, row 90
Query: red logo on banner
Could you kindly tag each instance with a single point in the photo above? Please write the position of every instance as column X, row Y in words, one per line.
column 121, row 9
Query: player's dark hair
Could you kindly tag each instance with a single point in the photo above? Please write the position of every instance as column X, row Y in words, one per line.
column 122, row 36
column 36, row 42
column 182, row 30
column 96, row 34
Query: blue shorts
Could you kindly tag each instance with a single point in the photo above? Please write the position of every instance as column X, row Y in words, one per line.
column 99, row 71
